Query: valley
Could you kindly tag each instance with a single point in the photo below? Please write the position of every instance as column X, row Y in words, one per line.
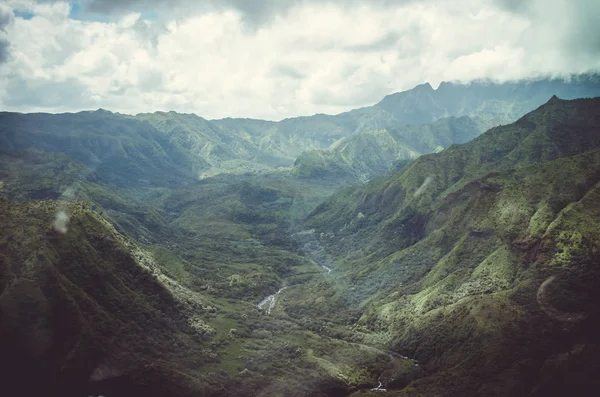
column 311, row 256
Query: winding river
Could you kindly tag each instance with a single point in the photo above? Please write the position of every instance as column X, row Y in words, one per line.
column 267, row 303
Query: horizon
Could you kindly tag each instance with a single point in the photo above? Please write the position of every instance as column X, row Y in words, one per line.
column 566, row 78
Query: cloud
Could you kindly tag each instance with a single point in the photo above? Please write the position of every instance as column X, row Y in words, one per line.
column 277, row 59
column 6, row 18
column 565, row 32
column 288, row 71
column 252, row 12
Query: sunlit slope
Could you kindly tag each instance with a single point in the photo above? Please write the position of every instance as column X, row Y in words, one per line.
column 366, row 155
column 480, row 261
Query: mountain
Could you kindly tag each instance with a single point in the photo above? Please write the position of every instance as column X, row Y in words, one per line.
column 365, row 155
column 150, row 149
column 489, row 102
column 82, row 310
column 422, row 120
column 102, row 293
column 478, row 261
column 224, row 150
column 199, row 257
column 165, row 254
column 313, row 143
column 124, row 151
column 492, row 102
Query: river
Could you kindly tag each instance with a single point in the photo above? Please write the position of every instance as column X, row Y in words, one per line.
column 269, row 301
column 317, row 256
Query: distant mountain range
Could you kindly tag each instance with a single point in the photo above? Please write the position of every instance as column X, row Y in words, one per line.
column 186, row 145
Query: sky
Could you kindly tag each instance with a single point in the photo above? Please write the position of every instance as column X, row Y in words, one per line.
column 273, row 59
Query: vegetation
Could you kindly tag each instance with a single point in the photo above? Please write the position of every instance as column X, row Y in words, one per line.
column 364, row 156
column 135, row 249
column 454, row 275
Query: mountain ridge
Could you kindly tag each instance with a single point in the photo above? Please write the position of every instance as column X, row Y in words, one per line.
column 449, row 271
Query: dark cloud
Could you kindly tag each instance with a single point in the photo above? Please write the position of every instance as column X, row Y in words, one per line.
column 288, row 71
column 167, row 60
column 47, row 94
column 571, row 25
column 387, row 41
column 253, row 12
column 149, row 32
column 583, row 33
column 4, row 50
column 6, row 17
column 577, row 29
column 516, row 6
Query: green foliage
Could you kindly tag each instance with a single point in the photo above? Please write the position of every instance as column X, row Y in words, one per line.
column 179, row 226
column 461, row 289
column 363, row 156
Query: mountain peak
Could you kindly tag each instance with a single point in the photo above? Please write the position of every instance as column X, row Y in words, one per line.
column 423, row 87
column 554, row 99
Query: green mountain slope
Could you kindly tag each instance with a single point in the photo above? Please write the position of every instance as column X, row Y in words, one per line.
column 88, row 311
column 488, row 102
column 121, row 150
column 81, row 306
column 218, row 246
column 480, row 261
column 326, row 146
column 363, row 156
column 491, row 102
column 167, row 147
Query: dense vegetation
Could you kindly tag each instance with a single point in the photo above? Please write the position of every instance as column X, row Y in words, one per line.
column 135, row 249
column 478, row 261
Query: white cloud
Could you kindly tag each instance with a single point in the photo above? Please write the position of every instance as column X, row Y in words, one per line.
column 312, row 58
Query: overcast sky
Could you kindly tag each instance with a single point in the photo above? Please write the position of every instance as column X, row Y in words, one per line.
column 273, row 59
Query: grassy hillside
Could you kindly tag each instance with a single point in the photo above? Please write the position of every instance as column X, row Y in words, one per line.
column 79, row 305
column 477, row 261
column 123, row 151
column 167, row 148
column 366, row 155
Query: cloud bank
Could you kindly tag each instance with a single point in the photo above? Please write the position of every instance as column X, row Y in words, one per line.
column 276, row 58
